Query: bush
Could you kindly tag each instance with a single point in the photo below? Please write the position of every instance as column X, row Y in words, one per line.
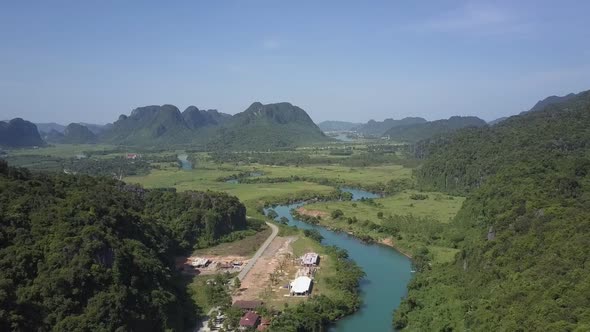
column 313, row 234
column 418, row 197
column 336, row 214
column 272, row 214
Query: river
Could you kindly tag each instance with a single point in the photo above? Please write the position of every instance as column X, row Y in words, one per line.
column 387, row 273
column 184, row 162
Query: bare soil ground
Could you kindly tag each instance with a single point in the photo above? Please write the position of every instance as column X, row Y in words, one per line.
column 312, row 213
column 258, row 280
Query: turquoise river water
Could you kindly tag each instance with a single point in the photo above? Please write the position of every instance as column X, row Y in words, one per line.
column 387, row 273
column 185, row 163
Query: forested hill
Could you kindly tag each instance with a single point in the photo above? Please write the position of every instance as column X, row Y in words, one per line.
column 421, row 131
column 522, row 232
column 150, row 125
column 79, row 253
column 258, row 127
column 552, row 100
column 269, row 126
column 378, row 128
column 76, row 133
column 19, row 133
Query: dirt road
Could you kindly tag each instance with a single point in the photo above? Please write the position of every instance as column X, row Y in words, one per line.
column 248, row 267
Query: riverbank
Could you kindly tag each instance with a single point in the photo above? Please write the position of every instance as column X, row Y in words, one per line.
column 387, row 272
column 409, row 221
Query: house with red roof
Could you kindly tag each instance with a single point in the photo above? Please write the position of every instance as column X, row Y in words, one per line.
column 250, row 320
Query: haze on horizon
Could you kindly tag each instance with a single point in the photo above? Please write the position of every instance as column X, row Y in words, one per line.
column 70, row 61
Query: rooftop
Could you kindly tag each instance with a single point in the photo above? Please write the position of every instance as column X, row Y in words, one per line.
column 249, row 319
column 245, row 304
column 310, row 258
column 301, row 285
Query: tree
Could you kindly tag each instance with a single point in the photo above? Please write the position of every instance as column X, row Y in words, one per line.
column 272, row 214
column 336, row 214
column 313, row 234
column 284, row 220
column 237, row 283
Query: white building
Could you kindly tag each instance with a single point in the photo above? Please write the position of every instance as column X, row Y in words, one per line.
column 301, row 286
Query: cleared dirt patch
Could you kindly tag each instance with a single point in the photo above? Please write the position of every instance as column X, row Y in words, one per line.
column 257, row 281
column 312, row 213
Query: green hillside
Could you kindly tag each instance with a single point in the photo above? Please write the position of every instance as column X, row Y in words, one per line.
column 269, row 126
column 522, row 232
column 80, row 253
column 76, row 133
column 150, row 125
column 422, row 131
column 196, row 118
column 259, row 127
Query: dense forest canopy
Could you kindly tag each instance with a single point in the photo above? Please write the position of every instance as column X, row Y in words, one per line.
column 94, row 254
column 523, row 230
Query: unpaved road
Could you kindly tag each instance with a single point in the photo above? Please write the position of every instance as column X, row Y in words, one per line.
column 248, row 267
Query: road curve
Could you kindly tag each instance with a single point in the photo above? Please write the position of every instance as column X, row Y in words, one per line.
column 248, row 267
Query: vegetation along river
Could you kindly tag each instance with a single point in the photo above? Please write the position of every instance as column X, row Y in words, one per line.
column 388, row 273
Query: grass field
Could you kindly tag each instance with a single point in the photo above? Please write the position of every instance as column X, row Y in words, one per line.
column 438, row 206
column 63, row 150
column 365, row 175
column 431, row 215
column 245, row 247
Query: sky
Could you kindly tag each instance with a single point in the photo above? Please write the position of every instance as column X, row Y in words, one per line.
column 90, row 61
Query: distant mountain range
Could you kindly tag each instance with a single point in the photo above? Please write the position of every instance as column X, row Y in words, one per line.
column 337, row 125
column 417, row 132
column 46, row 128
column 259, row 127
column 409, row 129
column 378, row 128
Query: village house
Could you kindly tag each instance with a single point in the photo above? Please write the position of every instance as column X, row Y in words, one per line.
column 310, row 259
column 250, row 320
column 301, row 286
column 133, row 156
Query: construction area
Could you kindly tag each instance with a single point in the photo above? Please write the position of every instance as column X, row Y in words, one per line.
column 279, row 275
column 210, row 265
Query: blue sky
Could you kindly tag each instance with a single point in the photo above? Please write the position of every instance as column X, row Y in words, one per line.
column 71, row 61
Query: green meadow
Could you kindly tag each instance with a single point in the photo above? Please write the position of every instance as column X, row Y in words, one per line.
column 437, row 206
column 419, row 223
